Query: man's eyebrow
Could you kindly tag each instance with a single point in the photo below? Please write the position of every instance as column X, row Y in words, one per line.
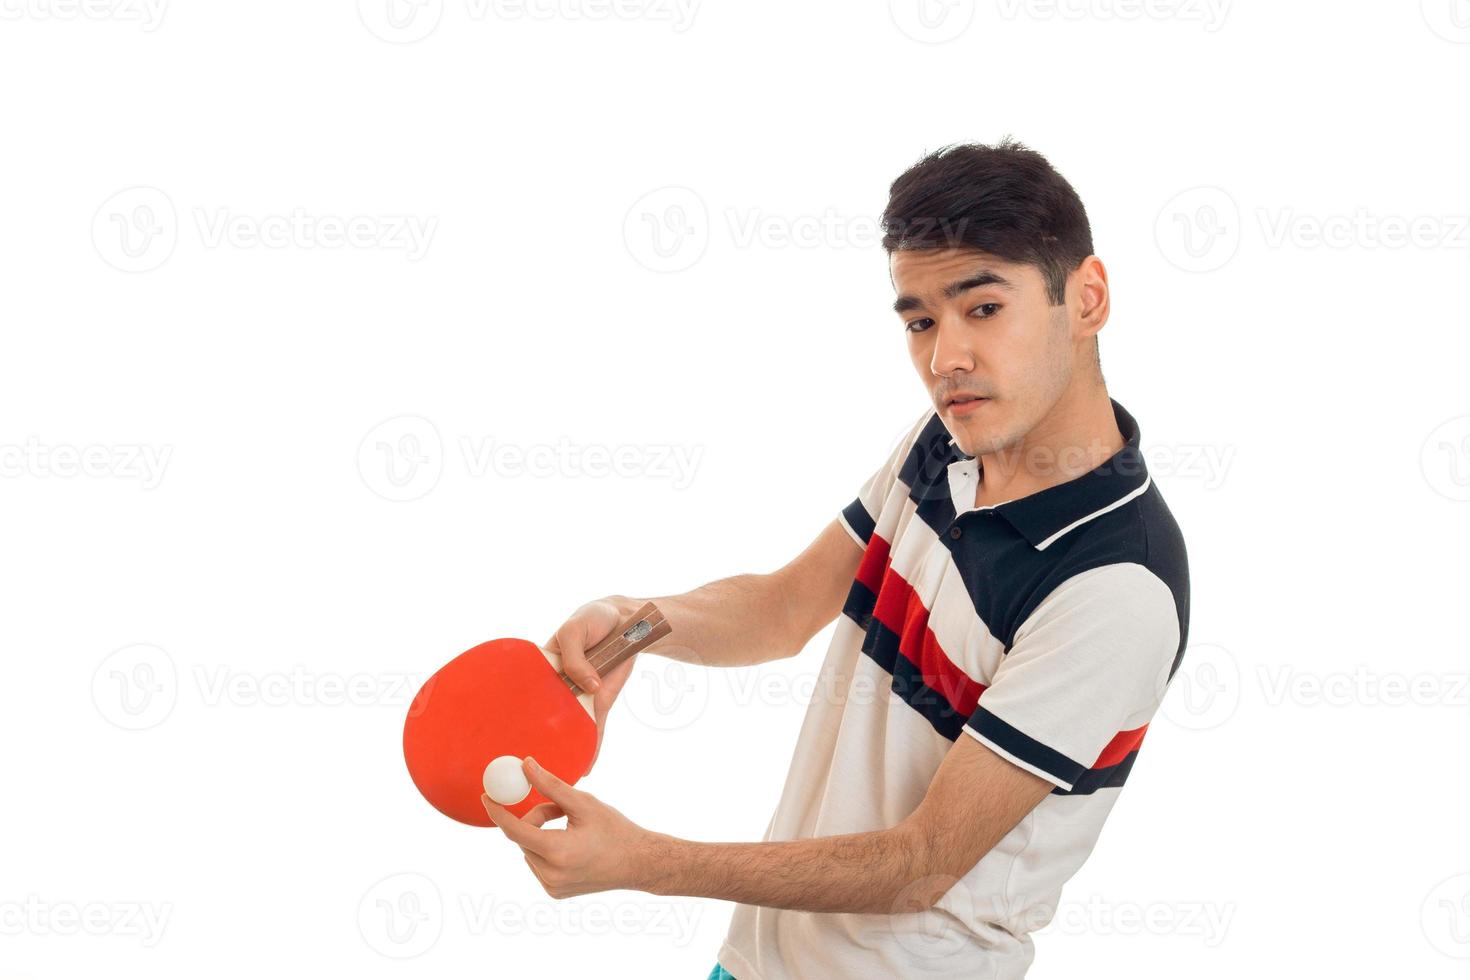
column 982, row 278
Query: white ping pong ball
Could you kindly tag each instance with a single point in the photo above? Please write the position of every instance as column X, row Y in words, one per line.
column 505, row 781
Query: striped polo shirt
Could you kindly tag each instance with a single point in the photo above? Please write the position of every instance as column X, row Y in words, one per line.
column 1046, row 627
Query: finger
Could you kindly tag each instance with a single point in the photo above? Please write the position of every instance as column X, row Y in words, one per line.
column 613, row 683
column 542, row 812
column 528, row 837
column 571, row 641
column 553, row 787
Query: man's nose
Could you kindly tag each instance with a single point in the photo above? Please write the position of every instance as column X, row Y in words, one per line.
column 951, row 348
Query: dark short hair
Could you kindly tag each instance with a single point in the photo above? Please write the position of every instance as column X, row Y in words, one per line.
column 1004, row 199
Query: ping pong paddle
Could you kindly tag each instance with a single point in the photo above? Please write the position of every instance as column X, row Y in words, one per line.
column 509, row 697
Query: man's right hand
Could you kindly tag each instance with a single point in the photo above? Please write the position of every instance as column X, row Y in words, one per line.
column 584, row 629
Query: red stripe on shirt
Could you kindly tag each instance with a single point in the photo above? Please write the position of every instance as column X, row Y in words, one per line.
column 1117, row 750
column 899, row 608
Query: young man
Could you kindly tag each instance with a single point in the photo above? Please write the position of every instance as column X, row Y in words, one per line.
column 1012, row 599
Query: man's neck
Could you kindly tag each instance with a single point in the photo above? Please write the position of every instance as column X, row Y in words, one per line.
column 1079, row 434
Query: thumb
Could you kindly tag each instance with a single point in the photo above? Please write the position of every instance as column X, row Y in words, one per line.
column 552, row 786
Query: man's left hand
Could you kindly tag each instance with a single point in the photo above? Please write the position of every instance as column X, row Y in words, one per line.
column 599, row 849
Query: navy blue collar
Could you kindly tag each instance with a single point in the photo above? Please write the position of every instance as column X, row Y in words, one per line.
column 1046, row 515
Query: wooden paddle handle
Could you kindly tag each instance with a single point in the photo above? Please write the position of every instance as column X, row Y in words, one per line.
column 645, row 626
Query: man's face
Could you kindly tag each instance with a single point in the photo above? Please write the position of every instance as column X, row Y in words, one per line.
column 979, row 327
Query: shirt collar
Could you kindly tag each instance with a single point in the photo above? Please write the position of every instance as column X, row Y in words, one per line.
column 1044, row 516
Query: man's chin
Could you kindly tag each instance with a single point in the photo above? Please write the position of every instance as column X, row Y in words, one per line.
column 977, row 437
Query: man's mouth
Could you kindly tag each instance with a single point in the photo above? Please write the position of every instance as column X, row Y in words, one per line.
column 962, row 404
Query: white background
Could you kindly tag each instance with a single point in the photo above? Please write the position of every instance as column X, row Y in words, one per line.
column 216, row 599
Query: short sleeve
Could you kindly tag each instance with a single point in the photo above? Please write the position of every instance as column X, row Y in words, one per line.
column 860, row 517
column 1084, row 675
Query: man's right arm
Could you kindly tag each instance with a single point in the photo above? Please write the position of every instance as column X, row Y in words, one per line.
column 736, row 621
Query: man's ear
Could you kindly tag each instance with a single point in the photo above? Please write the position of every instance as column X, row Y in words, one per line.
column 1090, row 283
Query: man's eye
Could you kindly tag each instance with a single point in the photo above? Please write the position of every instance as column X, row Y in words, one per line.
column 987, row 310
column 918, row 326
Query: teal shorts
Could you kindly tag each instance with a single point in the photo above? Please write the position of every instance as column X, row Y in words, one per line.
column 719, row 973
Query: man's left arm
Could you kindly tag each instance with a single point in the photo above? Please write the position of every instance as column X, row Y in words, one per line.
column 974, row 800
